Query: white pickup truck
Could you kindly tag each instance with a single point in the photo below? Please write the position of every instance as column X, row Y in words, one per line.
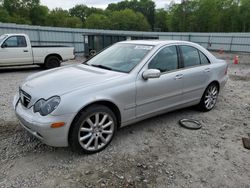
column 16, row 50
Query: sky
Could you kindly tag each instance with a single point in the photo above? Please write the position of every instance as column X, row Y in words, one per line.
column 67, row 4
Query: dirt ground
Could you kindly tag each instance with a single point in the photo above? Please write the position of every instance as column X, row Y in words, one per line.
column 153, row 153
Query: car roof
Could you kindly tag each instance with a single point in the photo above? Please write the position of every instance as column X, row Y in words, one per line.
column 154, row 42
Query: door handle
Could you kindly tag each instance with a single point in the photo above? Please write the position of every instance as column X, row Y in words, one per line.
column 207, row 70
column 25, row 51
column 178, row 76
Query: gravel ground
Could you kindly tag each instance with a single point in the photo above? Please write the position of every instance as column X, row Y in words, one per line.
column 153, row 153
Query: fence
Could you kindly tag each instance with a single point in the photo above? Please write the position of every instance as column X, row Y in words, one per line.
column 237, row 42
column 231, row 42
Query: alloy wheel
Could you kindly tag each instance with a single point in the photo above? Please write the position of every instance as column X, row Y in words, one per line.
column 96, row 131
column 211, row 97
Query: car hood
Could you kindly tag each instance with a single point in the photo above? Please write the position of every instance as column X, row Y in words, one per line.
column 66, row 79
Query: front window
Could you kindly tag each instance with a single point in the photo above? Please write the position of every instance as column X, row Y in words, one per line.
column 120, row 57
column 16, row 41
column 166, row 60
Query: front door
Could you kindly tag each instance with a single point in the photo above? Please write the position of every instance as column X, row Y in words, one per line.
column 14, row 51
column 158, row 94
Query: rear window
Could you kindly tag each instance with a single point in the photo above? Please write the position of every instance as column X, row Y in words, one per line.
column 190, row 56
column 204, row 59
column 193, row 57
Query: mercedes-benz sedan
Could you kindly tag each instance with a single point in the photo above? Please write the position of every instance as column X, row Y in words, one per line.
column 82, row 106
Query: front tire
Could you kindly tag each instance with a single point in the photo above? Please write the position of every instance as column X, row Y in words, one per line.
column 209, row 97
column 92, row 130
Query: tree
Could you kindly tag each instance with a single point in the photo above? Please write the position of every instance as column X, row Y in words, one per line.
column 187, row 16
column 39, row 15
column 230, row 15
column 146, row 7
column 11, row 6
column 97, row 21
column 61, row 18
column 118, row 20
column 80, row 11
column 128, row 20
column 4, row 15
column 161, row 20
column 73, row 22
column 19, row 10
column 182, row 16
column 245, row 15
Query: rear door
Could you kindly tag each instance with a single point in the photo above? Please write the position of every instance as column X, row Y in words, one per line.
column 196, row 72
column 15, row 51
column 154, row 95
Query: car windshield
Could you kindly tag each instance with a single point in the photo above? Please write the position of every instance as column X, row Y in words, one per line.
column 120, row 57
column 2, row 37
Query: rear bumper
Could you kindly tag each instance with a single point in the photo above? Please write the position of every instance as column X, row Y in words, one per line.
column 39, row 126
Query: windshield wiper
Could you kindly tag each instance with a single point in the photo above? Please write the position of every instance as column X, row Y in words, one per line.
column 102, row 66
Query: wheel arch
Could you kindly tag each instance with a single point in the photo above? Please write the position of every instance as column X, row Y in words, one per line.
column 112, row 106
column 53, row 55
column 215, row 82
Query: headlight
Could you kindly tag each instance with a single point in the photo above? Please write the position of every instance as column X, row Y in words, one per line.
column 45, row 107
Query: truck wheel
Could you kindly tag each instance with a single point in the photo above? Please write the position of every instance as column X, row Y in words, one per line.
column 52, row 62
column 93, row 129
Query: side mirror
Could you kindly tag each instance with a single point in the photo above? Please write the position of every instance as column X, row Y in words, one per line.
column 4, row 45
column 151, row 73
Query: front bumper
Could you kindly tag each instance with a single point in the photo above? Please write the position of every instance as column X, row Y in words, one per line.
column 39, row 126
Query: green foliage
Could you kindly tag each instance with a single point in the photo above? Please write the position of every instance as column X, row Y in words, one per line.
column 245, row 15
column 82, row 12
column 161, row 20
column 118, row 20
column 141, row 15
column 97, row 21
column 146, row 7
column 39, row 15
column 128, row 20
column 4, row 15
column 61, row 18
column 210, row 16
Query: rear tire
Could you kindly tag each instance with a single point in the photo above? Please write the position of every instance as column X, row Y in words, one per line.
column 209, row 98
column 92, row 130
column 52, row 62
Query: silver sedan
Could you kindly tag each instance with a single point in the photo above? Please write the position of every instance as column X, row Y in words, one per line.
column 82, row 106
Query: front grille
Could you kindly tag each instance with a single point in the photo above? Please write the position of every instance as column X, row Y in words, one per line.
column 25, row 98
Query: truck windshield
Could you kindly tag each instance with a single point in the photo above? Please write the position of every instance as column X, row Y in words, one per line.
column 2, row 37
column 120, row 57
